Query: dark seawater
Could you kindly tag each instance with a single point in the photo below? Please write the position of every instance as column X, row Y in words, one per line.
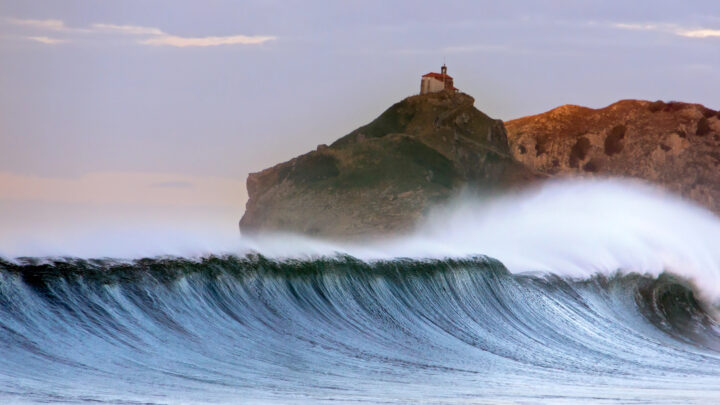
column 254, row 330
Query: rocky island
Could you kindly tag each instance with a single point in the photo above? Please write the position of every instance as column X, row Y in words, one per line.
column 383, row 177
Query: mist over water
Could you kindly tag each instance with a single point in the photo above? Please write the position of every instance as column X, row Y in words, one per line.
column 574, row 228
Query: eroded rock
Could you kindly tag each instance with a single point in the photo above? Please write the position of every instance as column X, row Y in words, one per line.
column 672, row 144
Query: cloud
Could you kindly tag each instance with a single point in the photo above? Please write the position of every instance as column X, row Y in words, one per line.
column 182, row 42
column 157, row 37
column 46, row 25
column 46, row 40
column 701, row 33
column 638, row 27
column 672, row 29
column 52, row 25
column 149, row 35
column 127, row 29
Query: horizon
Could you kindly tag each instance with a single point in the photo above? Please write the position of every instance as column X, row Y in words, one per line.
column 121, row 113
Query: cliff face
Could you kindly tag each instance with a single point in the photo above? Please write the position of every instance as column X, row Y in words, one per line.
column 382, row 177
column 676, row 145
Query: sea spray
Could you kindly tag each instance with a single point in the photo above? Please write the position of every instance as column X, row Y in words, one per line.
column 571, row 228
column 579, row 228
column 574, row 228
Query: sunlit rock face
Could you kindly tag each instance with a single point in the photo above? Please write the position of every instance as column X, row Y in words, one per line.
column 676, row 145
column 383, row 177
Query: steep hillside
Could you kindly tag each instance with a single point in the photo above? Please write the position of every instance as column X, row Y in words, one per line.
column 676, row 145
column 382, row 177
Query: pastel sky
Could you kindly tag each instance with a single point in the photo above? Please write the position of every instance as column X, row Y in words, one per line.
column 123, row 112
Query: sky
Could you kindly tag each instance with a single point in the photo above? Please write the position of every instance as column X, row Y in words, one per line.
column 136, row 113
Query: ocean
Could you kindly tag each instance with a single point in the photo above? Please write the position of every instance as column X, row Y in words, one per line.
column 577, row 292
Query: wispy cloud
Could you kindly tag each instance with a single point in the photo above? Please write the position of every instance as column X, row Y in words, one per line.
column 144, row 35
column 638, row 27
column 46, row 40
column 672, row 29
column 52, row 25
column 701, row 33
column 46, row 25
column 127, row 29
column 181, row 42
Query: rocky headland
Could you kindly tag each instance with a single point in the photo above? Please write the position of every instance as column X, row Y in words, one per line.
column 383, row 177
column 675, row 145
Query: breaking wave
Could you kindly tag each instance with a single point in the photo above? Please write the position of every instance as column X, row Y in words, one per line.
column 599, row 291
column 223, row 329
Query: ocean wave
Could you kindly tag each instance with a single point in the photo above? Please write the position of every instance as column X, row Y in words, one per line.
column 219, row 328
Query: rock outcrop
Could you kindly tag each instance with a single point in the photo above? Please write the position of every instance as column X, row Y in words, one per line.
column 676, row 145
column 382, row 177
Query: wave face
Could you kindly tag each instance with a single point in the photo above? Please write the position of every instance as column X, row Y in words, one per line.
column 250, row 329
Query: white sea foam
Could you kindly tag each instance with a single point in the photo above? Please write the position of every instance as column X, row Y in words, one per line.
column 572, row 228
column 579, row 228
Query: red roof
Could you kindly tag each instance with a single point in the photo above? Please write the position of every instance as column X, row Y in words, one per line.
column 437, row 75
